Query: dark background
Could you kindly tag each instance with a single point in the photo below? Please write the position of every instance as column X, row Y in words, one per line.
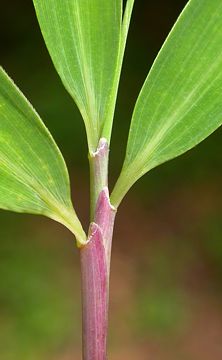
column 166, row 298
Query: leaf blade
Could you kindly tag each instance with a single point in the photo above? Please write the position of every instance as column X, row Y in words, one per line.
column 180, row 103
column 87, row 37
column 33, row 174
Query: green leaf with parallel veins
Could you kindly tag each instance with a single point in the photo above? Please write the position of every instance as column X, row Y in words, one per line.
column 83, row 38
column 33, row 175
column 180, row 103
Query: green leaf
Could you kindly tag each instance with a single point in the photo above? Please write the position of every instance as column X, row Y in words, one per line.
column 33, row 175
column 83, row 38
column 180, row 103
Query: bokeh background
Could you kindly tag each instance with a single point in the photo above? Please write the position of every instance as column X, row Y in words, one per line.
column 166, row 288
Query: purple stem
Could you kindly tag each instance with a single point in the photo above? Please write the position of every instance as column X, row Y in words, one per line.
column 95, row 262
column 94, row 299
column 105, row 217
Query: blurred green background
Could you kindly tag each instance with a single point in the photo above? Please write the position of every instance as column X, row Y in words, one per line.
column 166, row 289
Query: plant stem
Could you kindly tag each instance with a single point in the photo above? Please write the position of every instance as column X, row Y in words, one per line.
column 95, row 259
column 98, row 164
column 94, row 296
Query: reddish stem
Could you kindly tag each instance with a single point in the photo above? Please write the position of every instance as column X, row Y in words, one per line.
column 95, row 262
column 94, row 296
